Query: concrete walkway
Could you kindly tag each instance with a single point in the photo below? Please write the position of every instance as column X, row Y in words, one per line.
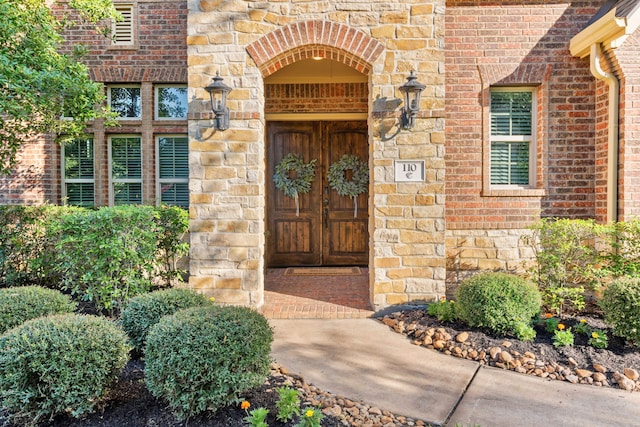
column 363, row 359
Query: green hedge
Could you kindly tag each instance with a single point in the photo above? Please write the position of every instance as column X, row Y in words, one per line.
column 26, row 244
column 62, row 364
column 105, row 256
column 108, row 255
column 621, row 306
column 19, row 304
column 497, row 301
column 205, row 358
column 144, row 311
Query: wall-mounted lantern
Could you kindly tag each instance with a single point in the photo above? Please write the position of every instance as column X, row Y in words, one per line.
column 218, row 92
column 412, row 89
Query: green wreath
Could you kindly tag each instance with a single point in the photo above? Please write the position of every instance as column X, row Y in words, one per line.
column 358, row 184
column 304, row 176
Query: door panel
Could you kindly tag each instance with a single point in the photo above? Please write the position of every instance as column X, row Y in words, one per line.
column 325, row 232
column 293, row 239
column 346, row 239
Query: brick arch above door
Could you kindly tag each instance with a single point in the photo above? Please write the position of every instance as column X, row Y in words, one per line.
column 307, row 39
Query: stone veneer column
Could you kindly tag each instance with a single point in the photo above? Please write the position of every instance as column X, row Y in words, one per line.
column 247, row 41
column 226, row 167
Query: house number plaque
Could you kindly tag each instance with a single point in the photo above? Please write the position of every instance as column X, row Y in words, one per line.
column 409, row 170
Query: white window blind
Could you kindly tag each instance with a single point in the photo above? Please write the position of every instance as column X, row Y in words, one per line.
column 78, row 172
column 122, row 31
column 511, row 136
column 126, row 170
column 173, row 170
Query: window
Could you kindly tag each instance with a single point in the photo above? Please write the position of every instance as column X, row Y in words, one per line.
column 126, row 170
column 512, row 150
column 122, row 30
column 78, row 188
column 173, row 170
column 171, row 102
column 125, row 100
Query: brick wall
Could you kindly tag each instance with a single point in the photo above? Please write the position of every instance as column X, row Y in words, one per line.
column 316, row 98
column 601, row 151
column 158, row 56
column 36, row 178
column 629, row 170
column 503, row 43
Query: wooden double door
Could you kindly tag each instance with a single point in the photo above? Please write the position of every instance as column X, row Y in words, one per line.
column 325, row 229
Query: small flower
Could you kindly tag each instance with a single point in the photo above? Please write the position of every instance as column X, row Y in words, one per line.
column 548, row 315
column 443, row 297
column 595, row 335
column 561, row 326
column 309, row 413
column 583, row 321
column 245, row 405
column 212, row 299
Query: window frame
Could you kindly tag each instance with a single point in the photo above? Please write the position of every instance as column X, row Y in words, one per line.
column 156, row 102
column 532, row 188
column 135, row 86
column 112, row 180
column 66, row 181
column 159, row 180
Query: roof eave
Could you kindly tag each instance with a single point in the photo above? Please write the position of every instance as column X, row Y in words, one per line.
column 608, row 30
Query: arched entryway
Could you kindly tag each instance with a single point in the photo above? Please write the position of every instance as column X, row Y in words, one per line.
column 316, row 110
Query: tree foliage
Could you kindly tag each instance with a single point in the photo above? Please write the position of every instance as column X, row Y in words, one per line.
column 41, row 89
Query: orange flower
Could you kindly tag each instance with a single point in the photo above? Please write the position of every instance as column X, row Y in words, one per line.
column 561, row 326
column 245, row 405
column 548, row 315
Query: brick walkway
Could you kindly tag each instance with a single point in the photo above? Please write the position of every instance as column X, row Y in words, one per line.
column 316, row 296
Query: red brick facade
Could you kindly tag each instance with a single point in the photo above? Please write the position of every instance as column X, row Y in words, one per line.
column 158, row 56
column 37, row 176
column 518, row 44
column 316, row 98
column 629, row 172
column 304, row 40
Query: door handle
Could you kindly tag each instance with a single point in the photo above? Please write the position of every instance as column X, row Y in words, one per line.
column 326, row 202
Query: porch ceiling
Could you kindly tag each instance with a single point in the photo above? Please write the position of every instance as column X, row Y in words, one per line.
column 316, row 71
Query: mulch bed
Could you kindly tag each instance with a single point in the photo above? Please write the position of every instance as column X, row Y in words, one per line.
column 130, row 404
column 577, row 363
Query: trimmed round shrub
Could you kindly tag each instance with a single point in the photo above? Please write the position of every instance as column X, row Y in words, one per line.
column 621, row 305
column 205, row 358
column 61, row 364
column 17, row 305
column 144, row 311
column 497, row 301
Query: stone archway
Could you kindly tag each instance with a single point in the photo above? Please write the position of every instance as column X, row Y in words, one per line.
column 308, row 39
column 286, row 49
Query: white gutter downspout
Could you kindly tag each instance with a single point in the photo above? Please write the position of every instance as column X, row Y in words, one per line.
column 613, row 141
